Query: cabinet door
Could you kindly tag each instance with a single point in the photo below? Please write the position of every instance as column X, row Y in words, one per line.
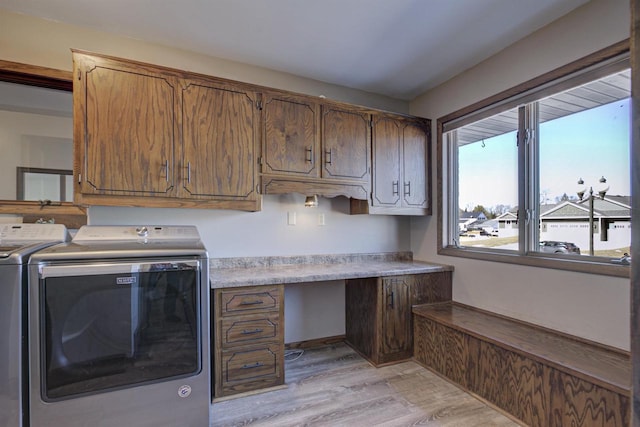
column 414, row 165
column 220, row 128
column 291, row 136
column 386, row 162
column 396, row 315
column 345, row 144
column 127, row 129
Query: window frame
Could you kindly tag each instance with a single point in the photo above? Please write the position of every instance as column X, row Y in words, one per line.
column 551, row 82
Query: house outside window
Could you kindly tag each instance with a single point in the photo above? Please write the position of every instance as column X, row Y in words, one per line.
column 518, row 160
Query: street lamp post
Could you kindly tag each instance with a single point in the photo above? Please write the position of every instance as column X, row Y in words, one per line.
column 602, row 190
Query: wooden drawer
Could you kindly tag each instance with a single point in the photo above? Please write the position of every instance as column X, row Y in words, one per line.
column 250, row 368
column 251, row 329
column 250, row 299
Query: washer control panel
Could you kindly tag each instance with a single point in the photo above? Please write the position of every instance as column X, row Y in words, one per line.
column 136, row 233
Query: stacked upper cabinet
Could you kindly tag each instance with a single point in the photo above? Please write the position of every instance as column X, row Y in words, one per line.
column 151, row 136
column 401, row 167
column 314, row 146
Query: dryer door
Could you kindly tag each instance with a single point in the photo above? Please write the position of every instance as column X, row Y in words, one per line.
column 116, row 325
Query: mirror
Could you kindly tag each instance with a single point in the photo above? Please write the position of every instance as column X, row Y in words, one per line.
column 36, row 145
column 44, row 184
column 36, row 125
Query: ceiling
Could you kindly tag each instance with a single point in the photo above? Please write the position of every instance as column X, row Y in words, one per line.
column 397, row 48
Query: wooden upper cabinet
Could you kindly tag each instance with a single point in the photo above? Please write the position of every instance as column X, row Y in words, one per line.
column 126, row 129
column 400, row 167
column 146, row 135
column 346, row 142
column 414, row 167
column 315, row 146
column 387, row 147
column 291, row 136
column 220, row 132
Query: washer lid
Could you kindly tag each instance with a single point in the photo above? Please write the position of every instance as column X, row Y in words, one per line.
column 22, row 237
column 7, row 250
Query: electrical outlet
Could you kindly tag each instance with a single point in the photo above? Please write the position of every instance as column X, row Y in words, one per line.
column 291, row 218
column 321, row 219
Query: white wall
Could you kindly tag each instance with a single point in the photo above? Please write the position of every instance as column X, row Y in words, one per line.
column 591, row 306
column 233, row 233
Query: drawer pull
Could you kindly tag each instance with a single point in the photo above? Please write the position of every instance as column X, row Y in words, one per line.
column 254, row 365
column 257, row 302
column 251, row 331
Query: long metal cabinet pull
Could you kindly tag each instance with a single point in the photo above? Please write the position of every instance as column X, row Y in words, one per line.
column 407, row 188
column 257, row 302
column 391, row 299
column 251, row 331
column 309, row 154
column 188, row 172
column 253, row 365
column 166, row 169
column 395, row 186
column 328, row 154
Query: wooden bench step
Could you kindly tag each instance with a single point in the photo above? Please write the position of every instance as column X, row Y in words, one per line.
column 540, row 376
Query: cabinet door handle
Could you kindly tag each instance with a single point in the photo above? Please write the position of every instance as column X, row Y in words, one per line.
column 166, row 169
column 328, row 154
column 257, row 302
column 251, row 331
column 407, row 188
column 253, row 365
column 395, row 186
column 309, row 154
column 188, row 172
column 390, row 298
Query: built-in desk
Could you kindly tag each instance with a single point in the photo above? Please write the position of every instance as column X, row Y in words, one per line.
column 262, row 271
column 248, row 316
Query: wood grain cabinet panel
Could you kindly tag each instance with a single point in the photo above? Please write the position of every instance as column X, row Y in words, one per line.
column 248, row 339
column 250, row 300
column 250, row 368
column 315, row 146
column 221, row 134
column 250, row 329
column 378, row 312
column 396, row 315
column 146, row 135
column 401, row 169
column 291, row 136
column 128, row 130
column 513, row 383
column 445, row 350
column 503, row 362
column 575, row 402
column 346, row 144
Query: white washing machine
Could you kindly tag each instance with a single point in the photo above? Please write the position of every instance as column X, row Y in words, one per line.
column 17, row 243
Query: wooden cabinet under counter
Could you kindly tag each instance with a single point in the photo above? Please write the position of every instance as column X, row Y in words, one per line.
column 248, row 339
column 378, row 312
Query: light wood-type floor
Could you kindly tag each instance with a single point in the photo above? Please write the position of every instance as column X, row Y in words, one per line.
column 333, row 386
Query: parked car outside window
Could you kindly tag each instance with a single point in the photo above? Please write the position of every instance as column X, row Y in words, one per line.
column 559, row 247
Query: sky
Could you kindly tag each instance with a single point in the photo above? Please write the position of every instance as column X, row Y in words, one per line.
column 587, row 145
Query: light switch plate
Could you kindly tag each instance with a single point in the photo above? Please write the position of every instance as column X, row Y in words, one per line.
column 291, row 218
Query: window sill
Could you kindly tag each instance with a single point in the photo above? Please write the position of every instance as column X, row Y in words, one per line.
column 569, row 263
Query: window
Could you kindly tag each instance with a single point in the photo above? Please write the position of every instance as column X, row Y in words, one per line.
column 543, row 177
